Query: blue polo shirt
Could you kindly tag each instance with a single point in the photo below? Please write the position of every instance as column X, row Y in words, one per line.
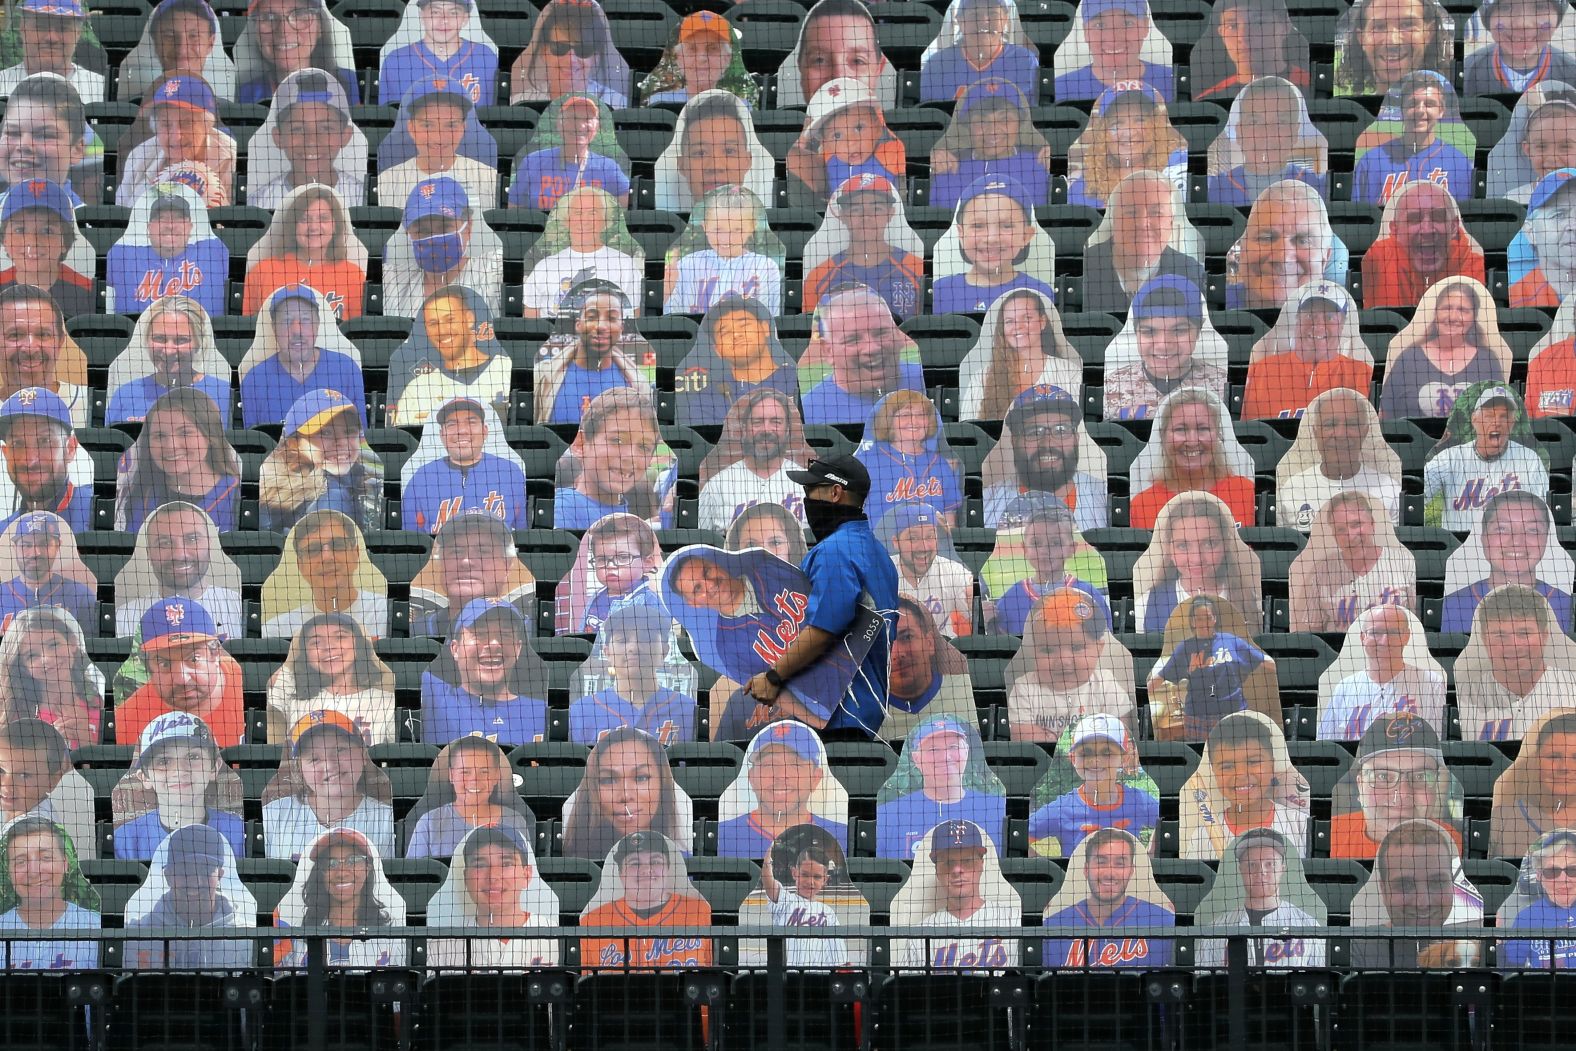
column 829, row 403
column 268, row 391
column 845, row 565
column 449, row 712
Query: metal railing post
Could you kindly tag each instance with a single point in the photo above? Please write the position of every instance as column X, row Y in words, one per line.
column 316, row 994
column 776, row 994
column 1237, row 990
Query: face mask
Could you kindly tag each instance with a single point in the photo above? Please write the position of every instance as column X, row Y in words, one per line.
column 824, row 517
column 439, row 253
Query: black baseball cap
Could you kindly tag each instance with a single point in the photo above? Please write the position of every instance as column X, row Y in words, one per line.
column 839, row 470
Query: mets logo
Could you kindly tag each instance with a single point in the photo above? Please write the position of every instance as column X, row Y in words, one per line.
column 175, row 614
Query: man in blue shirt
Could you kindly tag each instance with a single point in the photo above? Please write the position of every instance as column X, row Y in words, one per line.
column 170, row 263
column 866, row 351
column 298, row 364
column 35, row 546
column 846, row 564
column 477, row 687
column 38, row 443
column 594, row 363
column 468, row 477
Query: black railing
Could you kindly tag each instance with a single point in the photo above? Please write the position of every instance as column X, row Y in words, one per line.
column 1464, row 1004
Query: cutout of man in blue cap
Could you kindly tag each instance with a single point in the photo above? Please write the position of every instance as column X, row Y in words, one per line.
column 1167, row 317
column 961, row 879
column 169, row 250
column 299, row 364
column 35, row 547
column 784, row 767
column 943, row 585
column 444, row 250
column 196, row 861
column 947, row 774
column 38, row 443
column 1551, row 230
column 188, row 671
column 1114, row 32
column 480, row 685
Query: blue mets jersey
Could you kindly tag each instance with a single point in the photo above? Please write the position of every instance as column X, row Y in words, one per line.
column 439, row 490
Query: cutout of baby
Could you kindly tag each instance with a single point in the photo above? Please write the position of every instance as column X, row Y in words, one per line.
column 728, row 247
column 845, row 135
column 1070, row 666
column 615, row 565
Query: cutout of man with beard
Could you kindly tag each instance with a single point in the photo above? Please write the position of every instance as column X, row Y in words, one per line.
column 760, row 475
column 1043, row 426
